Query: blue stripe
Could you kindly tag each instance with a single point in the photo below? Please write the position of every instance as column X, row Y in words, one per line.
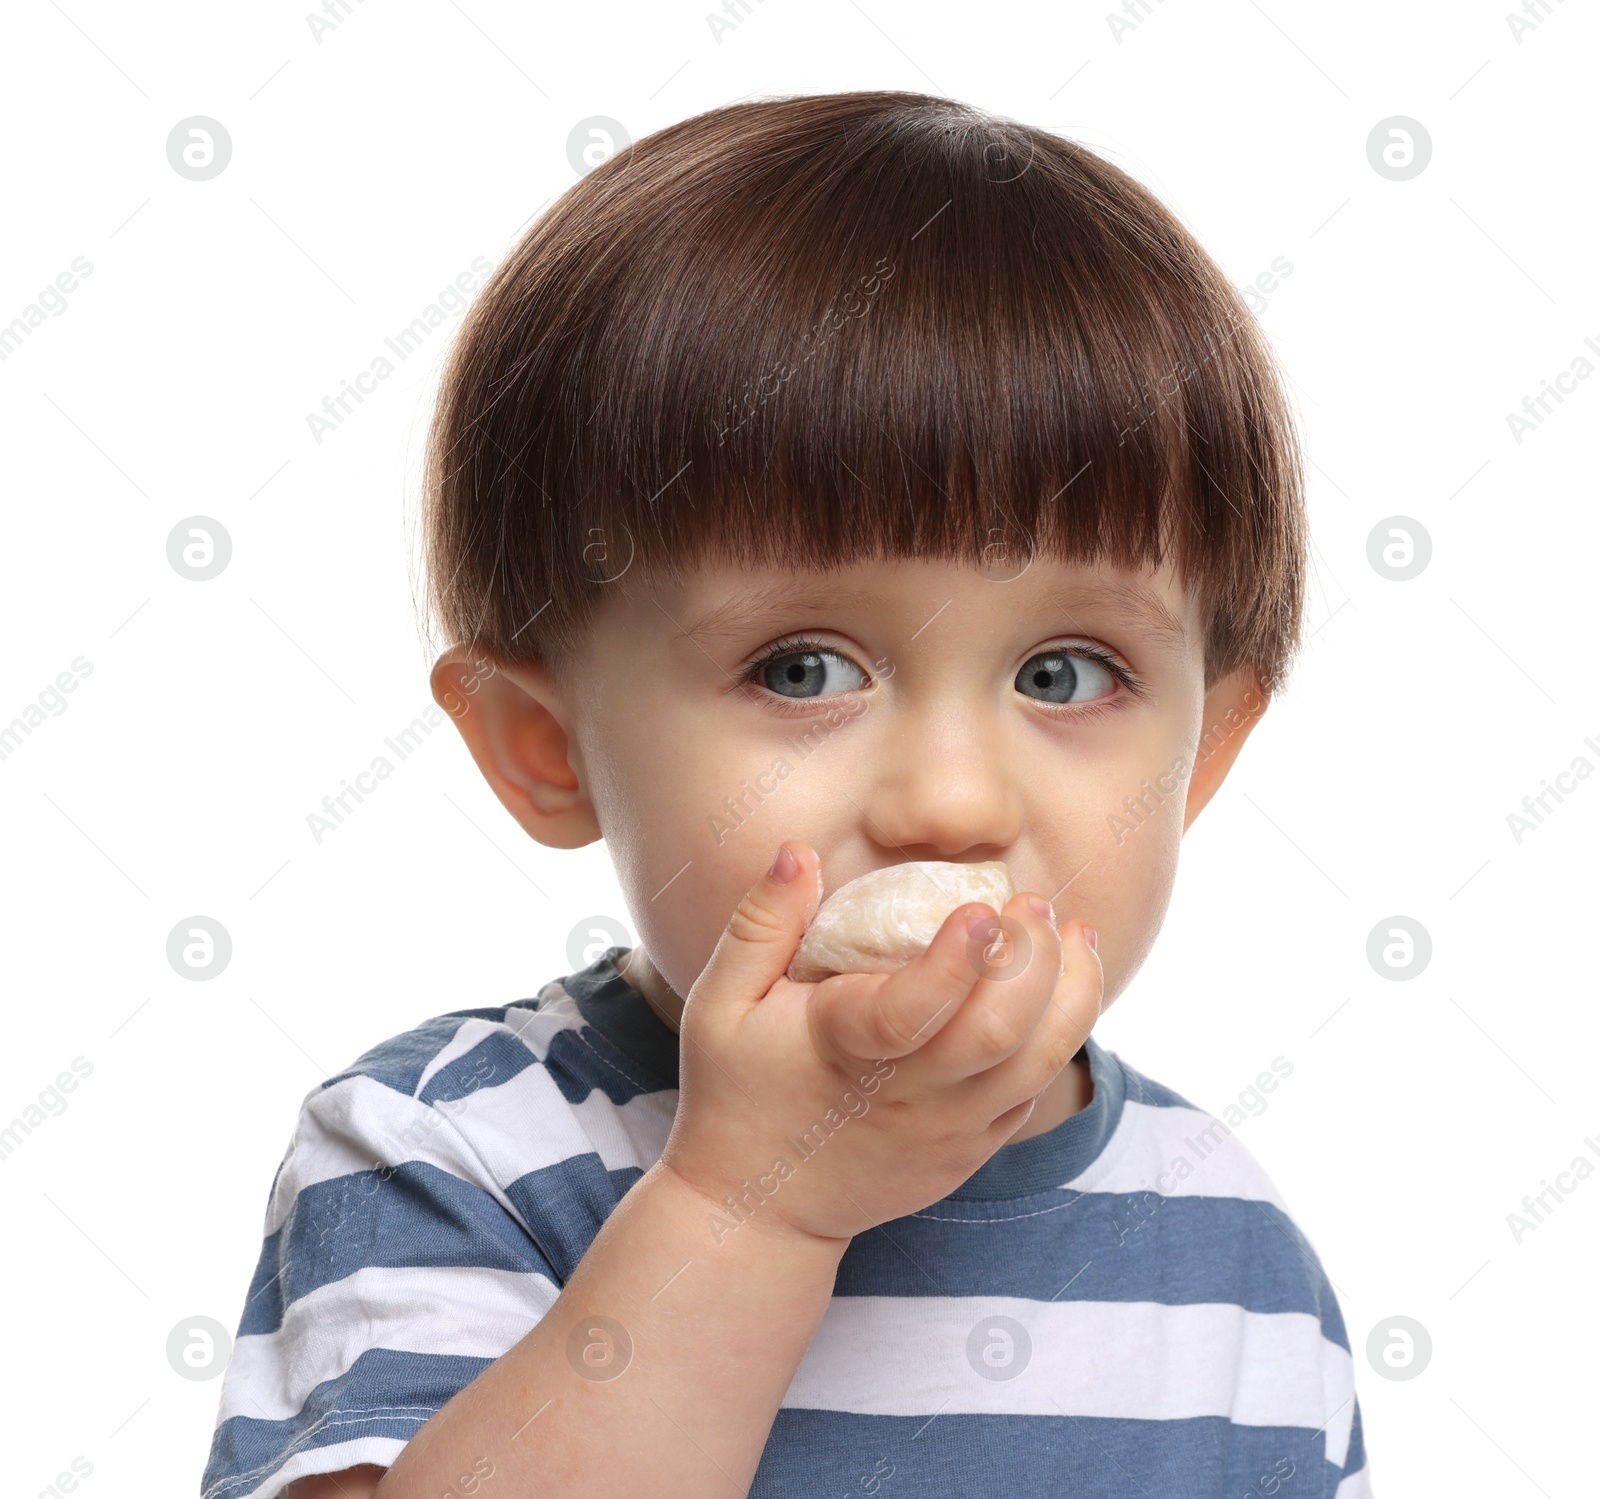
column 400, row 1061
column 417, row 1216
column 583, row 1061
column 384, row 1393
column 1142, row 1089
column 1100, row 1246
column 263, row 1303
column 1206, row 1457
column 1356, row 1458
column 1110, row 1246
column 391, row 1394
column 494, row 1060
column 610, row 1004
column 565, row 1206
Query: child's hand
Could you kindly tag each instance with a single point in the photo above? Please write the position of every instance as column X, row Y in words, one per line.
column 899, row 1085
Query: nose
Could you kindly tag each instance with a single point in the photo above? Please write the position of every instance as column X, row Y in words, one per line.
column 943, row 787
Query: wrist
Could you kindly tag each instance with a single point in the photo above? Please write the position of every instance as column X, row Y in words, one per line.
column 732, row 1217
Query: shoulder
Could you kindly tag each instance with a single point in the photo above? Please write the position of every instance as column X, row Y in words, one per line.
column 1165, row 1142
column 489, row 1095
column 451, row 1056
column 1214, row 1248
column 1220, row 1212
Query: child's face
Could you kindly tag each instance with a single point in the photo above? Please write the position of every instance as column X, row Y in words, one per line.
column 900, row 733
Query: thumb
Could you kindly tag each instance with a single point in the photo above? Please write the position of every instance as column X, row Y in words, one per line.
column 761, row 936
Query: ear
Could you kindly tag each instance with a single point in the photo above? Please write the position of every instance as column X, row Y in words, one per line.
column 518, row 729
column 1234, row 705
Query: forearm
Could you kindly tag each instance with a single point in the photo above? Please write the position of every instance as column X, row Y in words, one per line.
column 680, row 1402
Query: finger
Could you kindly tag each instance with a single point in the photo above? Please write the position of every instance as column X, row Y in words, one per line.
column 872, row 1016
column 1076, row 1002
column 1003, row 1008
column 763, row 932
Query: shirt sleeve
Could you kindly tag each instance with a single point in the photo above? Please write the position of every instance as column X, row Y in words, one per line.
column 393, row 1270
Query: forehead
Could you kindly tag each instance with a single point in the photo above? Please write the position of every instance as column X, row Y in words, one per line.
column 719, row 600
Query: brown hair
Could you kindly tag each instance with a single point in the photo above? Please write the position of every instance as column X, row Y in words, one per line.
column 817, row 329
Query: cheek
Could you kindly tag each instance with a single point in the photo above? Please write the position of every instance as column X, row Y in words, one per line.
column 1149, row 893
column 692, row 823
column 680, row 930
column 1143, row 877
column 1125, row 891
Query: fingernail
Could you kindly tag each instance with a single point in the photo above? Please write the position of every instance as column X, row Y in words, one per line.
column 785, row 867
column 1042, row 907
column 983, row 925
column 1089, row 937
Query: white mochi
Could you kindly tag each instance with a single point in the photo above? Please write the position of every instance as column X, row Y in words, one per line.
column 884, row 919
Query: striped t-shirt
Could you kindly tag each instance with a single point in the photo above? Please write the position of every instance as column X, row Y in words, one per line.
column 1118, row 1306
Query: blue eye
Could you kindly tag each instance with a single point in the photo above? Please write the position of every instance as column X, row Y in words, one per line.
column 804, row 669
column 1058, row 677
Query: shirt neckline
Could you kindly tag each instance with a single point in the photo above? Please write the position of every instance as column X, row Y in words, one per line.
column 613, row 1007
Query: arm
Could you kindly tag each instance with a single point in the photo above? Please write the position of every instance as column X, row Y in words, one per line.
column 661, row 1366
column 717, row 1332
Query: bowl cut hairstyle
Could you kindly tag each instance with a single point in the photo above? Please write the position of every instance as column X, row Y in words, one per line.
column 813, row 330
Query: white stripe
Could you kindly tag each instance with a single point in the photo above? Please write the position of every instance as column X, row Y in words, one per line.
column 535, row 1029
column 527, row 1124
column 270, row 1482
column 894, row 1356
column 1177, row 1152
column 634, row 1134
column 474, row 1312
column 1141, row 1360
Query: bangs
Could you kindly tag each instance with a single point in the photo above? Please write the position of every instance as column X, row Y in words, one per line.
column 816, row 331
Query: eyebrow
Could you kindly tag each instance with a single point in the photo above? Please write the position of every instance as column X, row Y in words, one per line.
column 1129, row 604
column 739, row 611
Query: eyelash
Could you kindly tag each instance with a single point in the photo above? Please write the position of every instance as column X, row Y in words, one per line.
column 796, row 644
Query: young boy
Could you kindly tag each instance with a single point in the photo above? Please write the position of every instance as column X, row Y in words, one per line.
column 825, row 483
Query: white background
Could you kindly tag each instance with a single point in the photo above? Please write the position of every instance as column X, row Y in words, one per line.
column 372, row 167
